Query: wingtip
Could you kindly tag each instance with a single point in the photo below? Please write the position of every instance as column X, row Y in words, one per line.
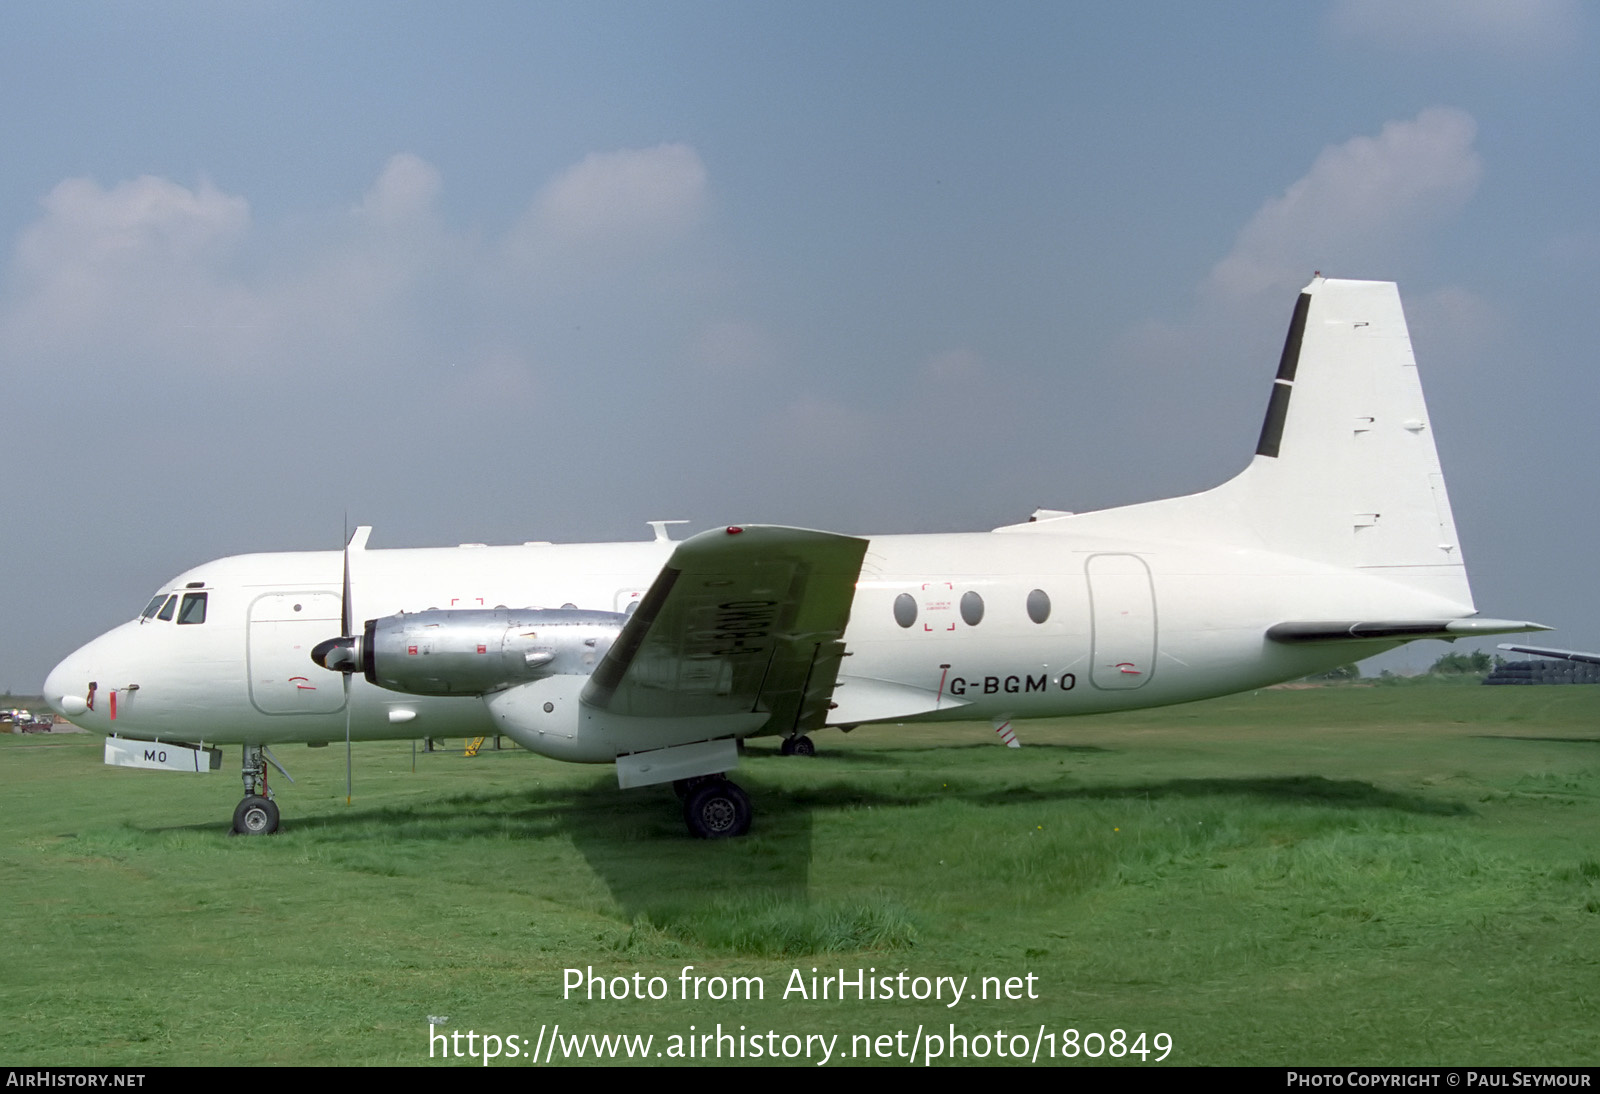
column 1476, row 626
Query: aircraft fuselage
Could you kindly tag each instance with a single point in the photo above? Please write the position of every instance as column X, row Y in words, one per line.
column 942, row 627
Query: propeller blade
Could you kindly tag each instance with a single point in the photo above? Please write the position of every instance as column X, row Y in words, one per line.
column 345, row 658
column 344, row 592
column 344, row 654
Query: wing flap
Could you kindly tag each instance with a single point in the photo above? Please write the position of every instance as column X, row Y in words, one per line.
column 740, row 620
column 861, row 699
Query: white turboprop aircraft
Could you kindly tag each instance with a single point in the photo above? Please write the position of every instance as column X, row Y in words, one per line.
column 1335, row 543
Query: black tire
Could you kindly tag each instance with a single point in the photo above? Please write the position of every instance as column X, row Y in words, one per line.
column 717, row 810
column 256, row 816
column 798, row 746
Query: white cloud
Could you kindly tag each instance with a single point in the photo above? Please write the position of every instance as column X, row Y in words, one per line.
column 633, row 199
column 153, row 274
column 368, row 277
column 1358, row 200
column 146, row 218
column 1356, row 213
column 1520, row 27
column 405, row 191
column 122, row 266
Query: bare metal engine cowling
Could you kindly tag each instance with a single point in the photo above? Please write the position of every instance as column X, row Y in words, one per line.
column 475, row 652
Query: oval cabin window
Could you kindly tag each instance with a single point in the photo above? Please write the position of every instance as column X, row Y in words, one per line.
column 972, row 609
column 1038, row 605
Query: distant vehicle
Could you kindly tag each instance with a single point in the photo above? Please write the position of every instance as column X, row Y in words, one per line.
column 24, row 721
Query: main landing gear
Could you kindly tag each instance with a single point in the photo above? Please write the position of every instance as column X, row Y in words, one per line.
column 257, row 814
column 713, row 807
column 798, row 745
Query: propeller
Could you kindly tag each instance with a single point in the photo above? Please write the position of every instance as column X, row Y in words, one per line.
column 344, row 633
column 343, row 654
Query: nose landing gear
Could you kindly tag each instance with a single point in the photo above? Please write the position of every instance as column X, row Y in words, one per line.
column 257, row 814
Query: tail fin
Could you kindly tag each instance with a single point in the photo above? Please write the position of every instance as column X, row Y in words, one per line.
column 1345, row 470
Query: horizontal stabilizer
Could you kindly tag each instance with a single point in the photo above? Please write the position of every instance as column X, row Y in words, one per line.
column 1403, row 629
column 1567, row 655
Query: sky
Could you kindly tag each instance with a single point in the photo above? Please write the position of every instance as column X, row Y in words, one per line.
column 495, row 272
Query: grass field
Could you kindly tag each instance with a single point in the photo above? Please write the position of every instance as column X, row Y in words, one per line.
column 1323, row 876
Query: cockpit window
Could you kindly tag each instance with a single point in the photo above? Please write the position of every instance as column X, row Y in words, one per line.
column 194, row 608
column 150, row 608
column 165, row 615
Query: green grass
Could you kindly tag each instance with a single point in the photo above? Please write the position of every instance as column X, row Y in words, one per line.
column 1327, row 876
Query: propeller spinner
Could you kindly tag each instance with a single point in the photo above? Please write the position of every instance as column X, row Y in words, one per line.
column 341, row 654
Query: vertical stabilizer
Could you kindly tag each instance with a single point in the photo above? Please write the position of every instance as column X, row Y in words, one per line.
column 1346, row 471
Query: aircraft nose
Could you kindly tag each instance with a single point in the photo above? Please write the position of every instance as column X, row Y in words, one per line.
column 65, row 689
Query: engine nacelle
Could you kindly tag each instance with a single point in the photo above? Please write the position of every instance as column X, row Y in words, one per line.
column 477, row 651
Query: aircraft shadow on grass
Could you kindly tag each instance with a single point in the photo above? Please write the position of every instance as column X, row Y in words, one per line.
column 1552, row 740
column 638, row 879
column 596, row 817
column 633, row 846
column 896, row 755
column 1300, row 789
